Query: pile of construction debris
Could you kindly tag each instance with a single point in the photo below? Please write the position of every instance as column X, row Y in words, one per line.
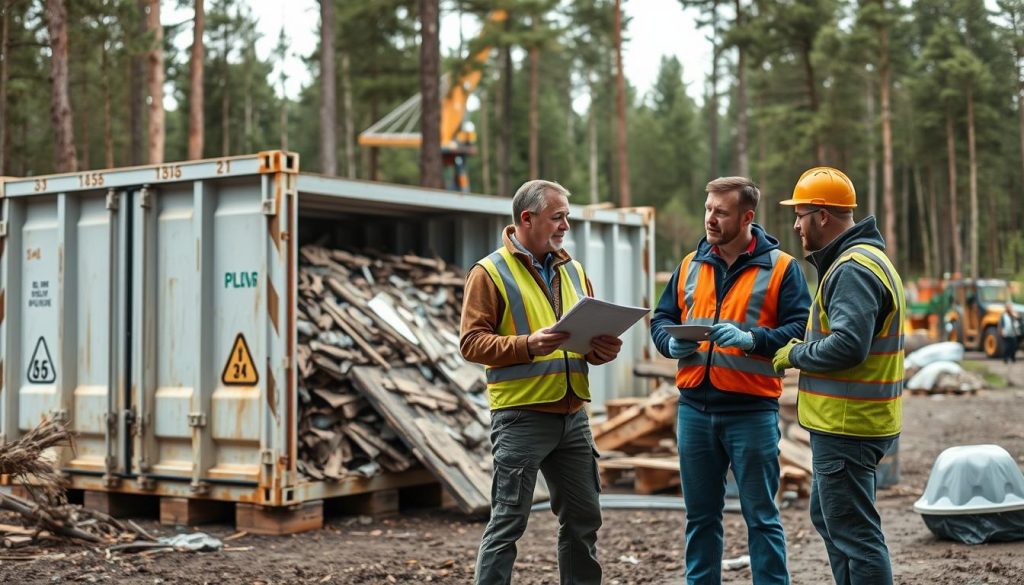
column 381, row 380
column 637, row 439
column 45, row 514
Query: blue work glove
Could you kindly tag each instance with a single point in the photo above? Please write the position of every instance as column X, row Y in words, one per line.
column 729, row 335
column 680, row 348
column 781, row 359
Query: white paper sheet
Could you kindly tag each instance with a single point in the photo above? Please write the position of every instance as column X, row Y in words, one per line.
column 592, row 317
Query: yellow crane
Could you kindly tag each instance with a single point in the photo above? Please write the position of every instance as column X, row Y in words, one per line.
column 400, row 127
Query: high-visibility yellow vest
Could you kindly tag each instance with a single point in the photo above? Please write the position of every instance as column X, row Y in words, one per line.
column 752, row 301
column 862, row 401
column 528, row 308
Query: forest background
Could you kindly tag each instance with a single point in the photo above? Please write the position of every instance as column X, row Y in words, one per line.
column 920, row 102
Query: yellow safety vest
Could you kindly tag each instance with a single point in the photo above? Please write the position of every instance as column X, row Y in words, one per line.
column 862, row 401
column 528, row 308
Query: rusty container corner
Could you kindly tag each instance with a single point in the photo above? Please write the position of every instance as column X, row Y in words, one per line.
column 154, row 308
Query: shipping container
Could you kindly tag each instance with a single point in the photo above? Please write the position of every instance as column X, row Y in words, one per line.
column 154, row 308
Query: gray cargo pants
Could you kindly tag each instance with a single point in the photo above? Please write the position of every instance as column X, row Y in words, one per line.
column 561, row 447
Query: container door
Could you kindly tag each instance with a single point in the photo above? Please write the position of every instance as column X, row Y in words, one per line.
column 61, row 271
column 213, row 307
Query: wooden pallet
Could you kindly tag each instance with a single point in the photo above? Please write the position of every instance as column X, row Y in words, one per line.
column 635, row 420
column 257, row 519
column 649, row 474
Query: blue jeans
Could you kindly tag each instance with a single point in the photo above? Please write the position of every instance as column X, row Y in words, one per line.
column 708, row 444
column 843, row 510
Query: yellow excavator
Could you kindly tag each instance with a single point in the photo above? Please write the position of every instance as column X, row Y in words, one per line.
column 971, row 310
column 400, row 127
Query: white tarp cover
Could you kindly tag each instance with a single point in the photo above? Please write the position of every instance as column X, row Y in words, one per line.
column 975, row 494
column 947, row 351
column 926, row 377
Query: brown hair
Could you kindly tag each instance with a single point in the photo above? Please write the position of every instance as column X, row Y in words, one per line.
column 749, row 193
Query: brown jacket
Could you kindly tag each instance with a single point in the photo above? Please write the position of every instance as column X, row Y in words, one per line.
column 482, row 307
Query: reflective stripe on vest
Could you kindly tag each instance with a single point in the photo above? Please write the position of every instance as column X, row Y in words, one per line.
column 862, row 401
column 752, row 301
column 529, row 308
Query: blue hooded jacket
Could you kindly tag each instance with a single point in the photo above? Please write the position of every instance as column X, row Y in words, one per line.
column 793, row 306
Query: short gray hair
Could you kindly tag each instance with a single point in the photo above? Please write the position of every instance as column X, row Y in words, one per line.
column 530, row 197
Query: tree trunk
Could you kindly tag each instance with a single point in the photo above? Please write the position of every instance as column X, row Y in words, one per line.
column 1018, row 54
column 954, row 222
column 430, row 106
column 347, row 118
column 534, row 157
column 892, row 245
column 742, row 160
column 933, row 216
column 5, row 9
column 137, row 94
column 247, row 108
column 811, row 85
column 60, row 100
column 108, row 119
column 195, row 77
column 994, row 230
column 768, row 214
column 328, row 97
column 923, row 208
column 504, row 150
column 374, row 154
column 84, row 156
column 595, row 196
column 155, row 81
column 973, row 164
column 869, row 123
column 625, row 197
column 713, row 95
column 284, row 123
column 485, row 141
column 904, row 250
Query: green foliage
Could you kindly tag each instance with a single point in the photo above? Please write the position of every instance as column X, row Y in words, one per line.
column 812, row 71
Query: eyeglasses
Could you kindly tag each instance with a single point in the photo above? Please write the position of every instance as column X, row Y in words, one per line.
column 806, row 213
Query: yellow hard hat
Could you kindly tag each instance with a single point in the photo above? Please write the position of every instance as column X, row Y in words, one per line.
column 823, row 186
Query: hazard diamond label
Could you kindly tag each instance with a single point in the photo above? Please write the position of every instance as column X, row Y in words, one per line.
column 40, row 367
column 240, row 369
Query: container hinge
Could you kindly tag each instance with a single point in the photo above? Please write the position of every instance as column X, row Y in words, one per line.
column 146, row 483
column 60, row 415
column 269, row 207
column 196, row 419
column 111, row 200
column 111, row 421
column 200, row 488
column 3, row 229
column 145, row 198
column 267, row 457
column 129, row 418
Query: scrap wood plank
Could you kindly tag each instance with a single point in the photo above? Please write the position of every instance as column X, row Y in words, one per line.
column 650, row 474
column 615, row 406
column 471, row 493
column 636, row 421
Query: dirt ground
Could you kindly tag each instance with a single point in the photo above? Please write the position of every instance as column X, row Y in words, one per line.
column 635, row 546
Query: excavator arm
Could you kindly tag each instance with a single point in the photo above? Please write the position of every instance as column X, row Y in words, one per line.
column 400, row 127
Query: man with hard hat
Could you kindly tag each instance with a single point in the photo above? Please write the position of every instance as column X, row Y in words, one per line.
column 851, row 371
column 754, row 298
